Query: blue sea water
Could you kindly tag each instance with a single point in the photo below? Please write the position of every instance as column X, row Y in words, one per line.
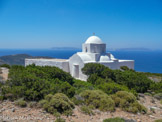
column 145, row 61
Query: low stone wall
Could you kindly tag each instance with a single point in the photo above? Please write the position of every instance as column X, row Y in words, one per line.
column 60, row 63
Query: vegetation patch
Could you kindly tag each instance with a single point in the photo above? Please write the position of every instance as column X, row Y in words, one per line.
column 156, row 87
column 1, row 98
column 161, row 101
column 112, row 88
column 21, row 103
column 34, row 82
column 116, row 119
column 60, row 120
column 57, row 104
column 86, row 110
column 99, row 74
column 127, row 102
column 98, row 100
column 82, row 86
column 159, row 120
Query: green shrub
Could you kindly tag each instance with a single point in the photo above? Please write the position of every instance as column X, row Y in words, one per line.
column 86, row 110
column 156, row 87
column 161, row 101
column 58, row 103
column 32, row 104
column 116, row 119
column 127, row 102
column 1, row 98
column 77, row 100
column 112, row 88
column 158, row 96
column 99, row 74
column 81, row 86
column 5, row 65
column 60, row 120
column 33, row 83
column 159, row 120
column 133, row 80
column 148, row 94
column 21, row 103
column 98, row 100
column 41, row 103
column 67, row 89
column 93, row 68
column 124, row 68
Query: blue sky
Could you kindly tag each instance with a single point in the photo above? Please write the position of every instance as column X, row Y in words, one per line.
column 57, row 23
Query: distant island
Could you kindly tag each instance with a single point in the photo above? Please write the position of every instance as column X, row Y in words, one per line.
column 109, row 49
column 65, row 48
column 18, row 59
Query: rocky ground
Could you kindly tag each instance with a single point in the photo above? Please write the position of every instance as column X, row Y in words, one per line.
column 3, row 74
column 10, row 112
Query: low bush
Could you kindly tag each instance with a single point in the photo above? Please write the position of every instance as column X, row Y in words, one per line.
column 58, row 103
column 77, row 100
column 86, row 110
column 159, row 120
column 148, row 94
column 81, row 86
column 161, row 101
column 127, row 102
column 21, row 103
column 60, row 120
column 116, row 119
column 156, row 87
column 98, row 100
column 112, row 88
column 1, row 98
column 32, row 104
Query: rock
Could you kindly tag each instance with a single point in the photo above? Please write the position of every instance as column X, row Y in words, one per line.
column 98, row 111
column 152, row 100
column 13, row 109
column 152, row 116
column 138, row 120
column 73, row 114
column 141, row 95
column 101, row 120
column 130, row 120
column 3, row 109
column 153, row 107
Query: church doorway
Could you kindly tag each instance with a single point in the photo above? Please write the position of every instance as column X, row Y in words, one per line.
column 76, row 70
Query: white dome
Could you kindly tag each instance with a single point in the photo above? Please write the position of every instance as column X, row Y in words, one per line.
column 94, row 40
column 104, row 58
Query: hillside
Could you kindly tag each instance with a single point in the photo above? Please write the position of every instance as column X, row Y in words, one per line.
column 18, row 59
column 48, row 93
column 2, row 62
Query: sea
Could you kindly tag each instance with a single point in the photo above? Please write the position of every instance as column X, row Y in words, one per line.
column 145, row 61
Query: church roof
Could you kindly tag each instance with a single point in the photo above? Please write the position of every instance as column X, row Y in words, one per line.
column 94, row 40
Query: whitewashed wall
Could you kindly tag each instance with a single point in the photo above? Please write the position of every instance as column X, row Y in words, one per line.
column 64, row 65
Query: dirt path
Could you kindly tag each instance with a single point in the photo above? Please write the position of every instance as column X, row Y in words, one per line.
column 4, row 73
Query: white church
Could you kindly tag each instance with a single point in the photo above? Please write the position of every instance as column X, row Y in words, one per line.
column 93, row 51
